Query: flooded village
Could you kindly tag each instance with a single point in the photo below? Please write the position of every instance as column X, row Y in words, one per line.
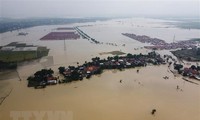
column 158, row 44
column 96, row 66
column 95, row 72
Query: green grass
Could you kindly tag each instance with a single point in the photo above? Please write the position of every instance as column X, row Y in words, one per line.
column 14, row 56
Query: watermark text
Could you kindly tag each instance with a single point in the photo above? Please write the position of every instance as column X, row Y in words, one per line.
column 41, row 115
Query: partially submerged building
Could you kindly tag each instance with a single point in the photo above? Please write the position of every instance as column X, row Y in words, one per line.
column 17, row 52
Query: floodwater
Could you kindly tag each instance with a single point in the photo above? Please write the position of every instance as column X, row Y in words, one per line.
column 103, row 97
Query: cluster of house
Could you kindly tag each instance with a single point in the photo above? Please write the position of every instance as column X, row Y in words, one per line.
column 145, row 39
column 48, row 81
column 78, row 73
column 192, row 73
column 161, row 44
column 169, row 46
column 42, row 78
column 98, row 65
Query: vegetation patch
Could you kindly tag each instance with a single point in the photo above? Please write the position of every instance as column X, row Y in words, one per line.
column 188, row 54
column 113, row 53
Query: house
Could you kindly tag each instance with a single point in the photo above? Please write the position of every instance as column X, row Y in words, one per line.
column 190, row 72
column 91, row 69
column 51, row 80
column 128, row 64
column 67, row 73
column 101, row 64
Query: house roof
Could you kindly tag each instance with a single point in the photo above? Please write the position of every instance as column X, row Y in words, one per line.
column 189, row 70
column 91, row 68
column 26, row 49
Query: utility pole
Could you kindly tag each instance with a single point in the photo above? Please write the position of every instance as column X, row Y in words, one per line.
column 64, row 45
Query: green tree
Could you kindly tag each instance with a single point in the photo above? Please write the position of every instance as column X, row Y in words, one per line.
column 129, row 55
column 116, row 57
column 198, row 51
column 178, row 67
column 61, row 69
column 193, row 67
